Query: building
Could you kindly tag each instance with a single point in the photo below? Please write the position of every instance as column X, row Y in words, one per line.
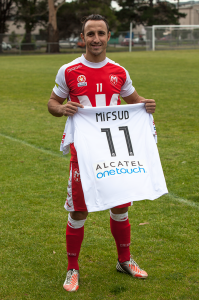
column 191, row 9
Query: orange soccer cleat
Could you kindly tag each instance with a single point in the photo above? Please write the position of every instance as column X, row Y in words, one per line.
column 71, row 283
column 131, row 267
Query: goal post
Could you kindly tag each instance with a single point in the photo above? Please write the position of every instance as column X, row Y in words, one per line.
column 162, row 37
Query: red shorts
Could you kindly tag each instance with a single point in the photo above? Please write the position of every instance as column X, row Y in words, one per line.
column 75, row 197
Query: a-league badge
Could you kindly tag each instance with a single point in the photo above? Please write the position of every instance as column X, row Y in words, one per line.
column 81, row 81
column 81, row 78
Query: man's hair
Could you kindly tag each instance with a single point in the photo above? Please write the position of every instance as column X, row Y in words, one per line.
column 94, row 17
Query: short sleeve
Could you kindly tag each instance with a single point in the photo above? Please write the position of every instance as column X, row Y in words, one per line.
column 127, row 88
column 61, row 89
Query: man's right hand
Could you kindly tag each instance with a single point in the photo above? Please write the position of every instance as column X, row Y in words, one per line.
column 70, row 108
column 58, row 109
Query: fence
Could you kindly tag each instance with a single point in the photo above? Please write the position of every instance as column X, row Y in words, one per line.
column 172, row 37
column 162, row 37
column 14, row 44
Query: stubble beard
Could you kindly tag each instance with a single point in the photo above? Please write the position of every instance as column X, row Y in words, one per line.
column 97, row 53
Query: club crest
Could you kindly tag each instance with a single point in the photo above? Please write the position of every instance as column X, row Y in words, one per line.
column 113, row 79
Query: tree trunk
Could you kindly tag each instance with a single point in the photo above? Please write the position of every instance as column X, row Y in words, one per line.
column 1, row 40
column 26, row 43
column 53, row 33
column 5, row 13
column 27, row 37
column 151, row 3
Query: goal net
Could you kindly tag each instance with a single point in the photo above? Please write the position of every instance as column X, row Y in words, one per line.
column 167, row 37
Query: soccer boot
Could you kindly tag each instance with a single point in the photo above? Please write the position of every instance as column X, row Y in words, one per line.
column 71, row 283
column 131, row 267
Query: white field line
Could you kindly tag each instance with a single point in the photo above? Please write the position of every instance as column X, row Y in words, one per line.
column 184, row 201
column 173, row 197
column 32, row 146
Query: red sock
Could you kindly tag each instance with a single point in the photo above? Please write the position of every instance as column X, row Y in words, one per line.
column 74, row 238
column 121, row 232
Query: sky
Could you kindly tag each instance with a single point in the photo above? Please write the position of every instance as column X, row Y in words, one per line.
column 115, row 5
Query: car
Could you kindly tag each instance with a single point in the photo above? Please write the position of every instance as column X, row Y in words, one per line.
column 125, row 42
column 81, row 44
column 139, row 40
column 67, row 43
column 6, row 46
column 136, row 40
column 166, row 38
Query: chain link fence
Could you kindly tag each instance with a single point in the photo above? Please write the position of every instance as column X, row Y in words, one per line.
column 172, row 37
column 14, row 44
column 169, row 37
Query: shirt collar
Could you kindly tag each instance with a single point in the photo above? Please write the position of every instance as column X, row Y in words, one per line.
column 92, row 64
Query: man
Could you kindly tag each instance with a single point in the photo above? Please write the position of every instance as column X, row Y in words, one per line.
column 86, row 81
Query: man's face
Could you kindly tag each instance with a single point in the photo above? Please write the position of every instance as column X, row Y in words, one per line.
column 95, row 37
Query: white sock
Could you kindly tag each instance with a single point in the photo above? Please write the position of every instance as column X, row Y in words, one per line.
column 119, row 217
column 75, row 223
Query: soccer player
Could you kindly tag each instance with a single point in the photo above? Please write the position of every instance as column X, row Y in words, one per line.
column 93, row 80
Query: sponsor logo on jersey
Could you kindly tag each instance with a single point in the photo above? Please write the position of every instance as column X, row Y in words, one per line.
column 81, row 81
column 76, row 175
column 119, row 167
column 57, row 85
column 74, row 68
column 113, row 79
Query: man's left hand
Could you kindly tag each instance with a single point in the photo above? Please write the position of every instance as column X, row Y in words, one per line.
column 150, row 105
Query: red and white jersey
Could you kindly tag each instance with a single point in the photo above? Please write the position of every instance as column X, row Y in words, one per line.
column 93, row 84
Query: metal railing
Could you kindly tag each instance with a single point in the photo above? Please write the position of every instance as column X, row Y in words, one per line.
column 118, row 43
column 172, row 37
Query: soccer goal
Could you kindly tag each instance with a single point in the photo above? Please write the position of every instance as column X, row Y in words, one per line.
column 167, row 37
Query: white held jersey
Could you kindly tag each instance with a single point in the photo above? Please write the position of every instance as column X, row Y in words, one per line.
column 117, row 155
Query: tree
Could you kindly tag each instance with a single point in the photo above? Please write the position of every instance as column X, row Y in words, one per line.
column 65, row 18
column 53, row 32
column 145, row 12
column 5, row 14
column 32, row 13
column 70, row 15
column 68, row 21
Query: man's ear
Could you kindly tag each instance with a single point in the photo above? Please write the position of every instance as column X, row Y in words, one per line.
column 109, row 35
column 82, row 37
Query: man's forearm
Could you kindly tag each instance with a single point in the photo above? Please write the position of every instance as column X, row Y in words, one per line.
column 55, row 108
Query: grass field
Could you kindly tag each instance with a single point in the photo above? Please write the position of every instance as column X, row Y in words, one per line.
column 34, row 176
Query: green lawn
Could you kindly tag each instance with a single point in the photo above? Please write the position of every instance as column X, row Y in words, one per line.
column 34, row 177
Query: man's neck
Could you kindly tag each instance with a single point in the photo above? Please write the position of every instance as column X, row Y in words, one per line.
column 95, row 58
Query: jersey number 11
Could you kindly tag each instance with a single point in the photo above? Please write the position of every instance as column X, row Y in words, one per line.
column 110, row 140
